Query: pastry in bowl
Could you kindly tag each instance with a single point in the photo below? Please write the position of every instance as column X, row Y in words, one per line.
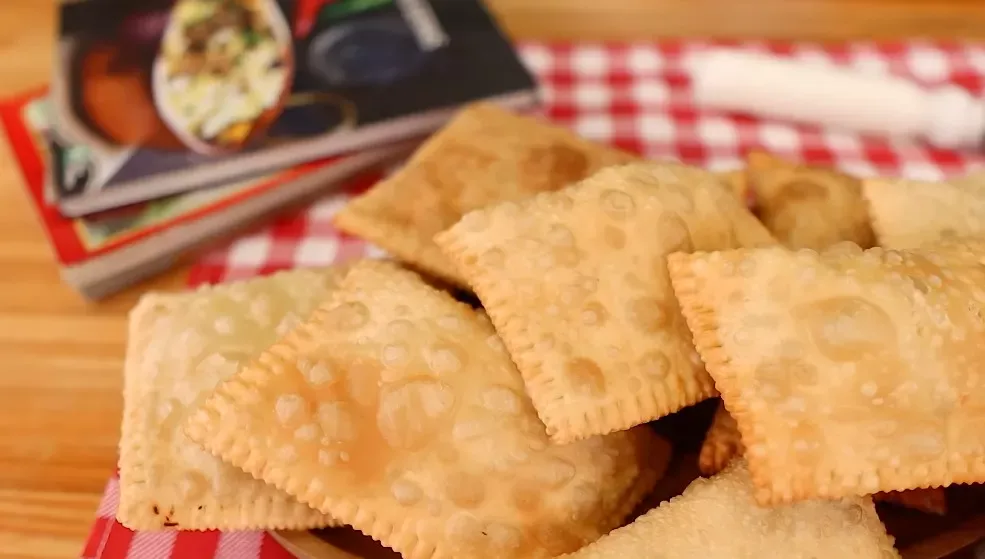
column 223, row 71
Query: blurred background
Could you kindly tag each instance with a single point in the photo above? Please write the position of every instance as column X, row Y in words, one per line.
column 61, row 354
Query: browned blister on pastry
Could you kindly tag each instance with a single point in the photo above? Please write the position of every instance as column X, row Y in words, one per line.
column 397, row 410
column 722, row 443
column 576, row 283
column 848, row 372
column 483, row 156
column 909, row 213
column 180, row 346
column 806, row 206
column 718, row 518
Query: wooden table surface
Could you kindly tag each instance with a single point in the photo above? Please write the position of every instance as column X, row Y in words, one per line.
column 61, row 358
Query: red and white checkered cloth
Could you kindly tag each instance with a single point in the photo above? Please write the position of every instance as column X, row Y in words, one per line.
column 636, row 96
column 108, row 539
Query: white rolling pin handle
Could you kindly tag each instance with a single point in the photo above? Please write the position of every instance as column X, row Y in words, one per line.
column 957, row 120
column 830, row 96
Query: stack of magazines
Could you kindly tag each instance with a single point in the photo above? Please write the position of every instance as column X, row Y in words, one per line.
column 170, row 124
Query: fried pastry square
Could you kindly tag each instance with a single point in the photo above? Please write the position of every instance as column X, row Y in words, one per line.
column 738, row 183
column 180, row 346
column 723, row 443
column 909, row 213
column 483, row 156
column 806, row 206
column 576, row 283
column 847, row 372
column 397, row 410
column 932, row 499
column 718, row 518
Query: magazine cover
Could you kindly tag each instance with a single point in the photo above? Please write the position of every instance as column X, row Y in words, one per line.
column 26, row 121
column 170, row 95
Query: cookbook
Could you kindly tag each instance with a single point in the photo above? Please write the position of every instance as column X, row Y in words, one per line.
column 105, row 252
column 26, row 122
column 158, row 97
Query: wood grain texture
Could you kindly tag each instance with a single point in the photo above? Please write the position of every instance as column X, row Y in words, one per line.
column 60, row 358
column 819, row 20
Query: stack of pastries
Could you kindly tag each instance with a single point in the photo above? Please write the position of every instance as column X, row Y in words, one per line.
column 842, row 329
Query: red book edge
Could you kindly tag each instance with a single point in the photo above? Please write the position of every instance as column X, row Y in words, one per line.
column 61, row 231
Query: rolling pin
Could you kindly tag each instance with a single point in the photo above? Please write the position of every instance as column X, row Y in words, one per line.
column 836, row 97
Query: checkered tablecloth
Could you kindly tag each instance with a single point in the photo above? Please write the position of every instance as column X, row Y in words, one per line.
column 636, row 96
column 108, row 539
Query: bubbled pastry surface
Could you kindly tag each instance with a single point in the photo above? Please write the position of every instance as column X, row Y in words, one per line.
column 397, row 410
column 484, row 156
column 805, row 206
column 910, row 214
column 848, row 371
column 576, row 283
column 180, row 346
column 718, row 518
column 723, row 443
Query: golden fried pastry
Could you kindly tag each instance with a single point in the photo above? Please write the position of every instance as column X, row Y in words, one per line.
column 738, row 183
column 483, row 156
column 808, row 207
column 717, row 518
column 397, row 410
column 847, row 372
column 180, row 346
column 576, row 283
column 723, row 443
column 908, row 213
column 932, row 499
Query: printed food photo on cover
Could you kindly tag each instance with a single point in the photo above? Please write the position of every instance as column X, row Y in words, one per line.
column 170, row 96
column 223, row 71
